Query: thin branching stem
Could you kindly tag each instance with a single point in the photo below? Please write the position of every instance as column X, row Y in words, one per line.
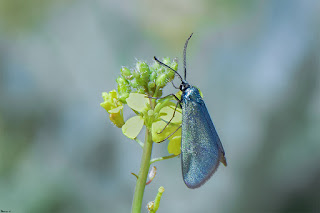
column 162, row 158
column 139, row 142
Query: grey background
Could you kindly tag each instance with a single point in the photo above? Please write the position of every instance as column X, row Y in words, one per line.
column 256, row 62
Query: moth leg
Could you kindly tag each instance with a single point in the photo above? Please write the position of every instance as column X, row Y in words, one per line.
column 170, row 135
column 165, row 97
column 175, row 109
column 179, row 101
column 174, row 85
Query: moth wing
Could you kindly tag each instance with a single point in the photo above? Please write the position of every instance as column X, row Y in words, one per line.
column 201, row 149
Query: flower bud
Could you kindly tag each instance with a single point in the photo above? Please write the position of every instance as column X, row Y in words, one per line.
column 117, row 119
column 153, row 76
column 144, row 73
column 121, row 81
column 156, row 65
column 123, row 96
column 143, row 70
column 141, row 90
column 174, row 65
column 161, row 70
column 162, row 80
column 150, row 206
column 126, row 73
column 113, row 106
column 134, row 83
column 135, row 74
column 166, row 61
column 123, row 89
column 170, row 75
column 151, row 86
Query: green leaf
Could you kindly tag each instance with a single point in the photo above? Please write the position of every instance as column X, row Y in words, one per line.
column 132, row 127
column 158, row 126
column 137, row 101
column 174, row 146
column 166, row 113
column 116, row 110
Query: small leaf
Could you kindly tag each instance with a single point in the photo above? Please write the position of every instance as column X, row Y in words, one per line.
column 137, row 101
column 107, row 105
column 158, row 126
column 177, row 133
column 132, row 127
column 166, row 113
column 179, row 94
column 174, row 146
column 117, row 119
column 116, row 110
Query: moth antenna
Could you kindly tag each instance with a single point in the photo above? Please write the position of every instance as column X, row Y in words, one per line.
column 185, row 57
column 161, row 63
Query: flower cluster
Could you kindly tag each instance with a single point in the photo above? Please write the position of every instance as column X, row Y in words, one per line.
column 145, row 79
column 141, row 89
column 114, row 107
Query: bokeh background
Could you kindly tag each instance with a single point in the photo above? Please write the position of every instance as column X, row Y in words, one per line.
column 257, row 63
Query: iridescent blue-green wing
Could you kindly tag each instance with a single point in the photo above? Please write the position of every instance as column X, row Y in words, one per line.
column 201, row 149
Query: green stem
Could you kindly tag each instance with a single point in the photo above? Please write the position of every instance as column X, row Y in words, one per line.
column 157, row 200
column 139, row 142
column 143, row 173
column 162, row 158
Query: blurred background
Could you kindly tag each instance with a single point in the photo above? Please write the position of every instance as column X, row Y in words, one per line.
column 257, row 63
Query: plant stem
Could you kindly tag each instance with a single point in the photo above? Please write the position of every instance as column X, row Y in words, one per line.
column 139, row 142
column 162, row 158
column 143, row 173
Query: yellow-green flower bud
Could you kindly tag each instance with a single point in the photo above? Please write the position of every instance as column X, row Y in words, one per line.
column 122, row 81
column 150, row 113
column 174, row 65
column 117, row 119
column 126, row 73
column 123, row 97
column 151, row 86
column 114, row 107
column 156, row 65
column 123, row 89
column 167, row 61
column 135, row 74
column 161, row 70
column 170, row 75
column 143, row 70
column 150, row 206
column 144, row 73
column 134, row 83
column 162, row 80
column 153, row 76
column 141, row 90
